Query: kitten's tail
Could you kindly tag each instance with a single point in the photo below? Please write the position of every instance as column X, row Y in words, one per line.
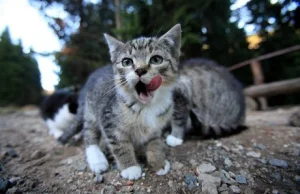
column 75, row 128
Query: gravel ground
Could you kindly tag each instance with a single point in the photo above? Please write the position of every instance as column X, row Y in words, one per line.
column 263, row 159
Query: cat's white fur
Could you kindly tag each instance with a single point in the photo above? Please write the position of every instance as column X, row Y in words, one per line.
column 96, row 159
column 60, row 122
column 164, row 170
column 132, row 173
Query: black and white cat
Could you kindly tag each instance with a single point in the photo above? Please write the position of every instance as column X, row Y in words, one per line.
column 59, row 110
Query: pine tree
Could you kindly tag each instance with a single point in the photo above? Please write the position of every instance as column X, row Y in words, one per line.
column 19, row 75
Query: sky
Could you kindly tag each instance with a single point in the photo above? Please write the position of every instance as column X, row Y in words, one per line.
column 26, row 23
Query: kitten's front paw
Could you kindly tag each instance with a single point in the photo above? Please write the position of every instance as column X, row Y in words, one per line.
column 96, row 159
column 132, row 173
column 164, row 170
column 173, row 141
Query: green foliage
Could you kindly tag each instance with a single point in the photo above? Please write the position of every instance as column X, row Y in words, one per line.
column 277, row 25
column 19, row 75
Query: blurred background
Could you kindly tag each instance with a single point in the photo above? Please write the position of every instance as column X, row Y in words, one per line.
column 51, row 44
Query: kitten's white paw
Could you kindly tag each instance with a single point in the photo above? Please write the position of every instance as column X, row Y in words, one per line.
column 96, row 159
column 173, row 141
column 164, row 170
column 132, row 173
column 57, row 133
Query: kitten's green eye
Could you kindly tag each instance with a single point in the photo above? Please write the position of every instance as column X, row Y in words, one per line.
column 156, row 60
column 127, row 62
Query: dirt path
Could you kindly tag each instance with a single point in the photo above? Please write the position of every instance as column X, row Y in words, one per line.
column 263, row 159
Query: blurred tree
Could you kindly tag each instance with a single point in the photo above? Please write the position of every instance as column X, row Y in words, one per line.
column 19, row 75
column 278, row 25
column 85, row 49
column 207, row 31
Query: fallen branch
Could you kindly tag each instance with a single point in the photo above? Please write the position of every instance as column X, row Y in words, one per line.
column 274, row 88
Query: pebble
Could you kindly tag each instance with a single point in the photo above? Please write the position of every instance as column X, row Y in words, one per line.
column 227, row 162
column 13, row 190
column 209, row 187
column 223, row 188
column 177, row 166
column 170, row 183
column 277, row 176
column 253, row 154
column 278, row 163
column 126, row 189
column 297, row 178
column 11, row 153
column 206, row 168
column 73, row 187
column 190, row 178
column 235, row 189
column 241, row 179
column 248, row 191
column 37, row 155
column 275, row 191
column 98, row 178
column 108, row 190
column 207, row 177
column 81, row 167
column 259, row 146
column 3, row 185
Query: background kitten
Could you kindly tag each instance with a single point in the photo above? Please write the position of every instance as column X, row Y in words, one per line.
column 129, row 103
column 59, row 110
column 208, row 98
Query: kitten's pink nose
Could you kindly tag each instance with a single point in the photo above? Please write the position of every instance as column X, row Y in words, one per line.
column 140, row 71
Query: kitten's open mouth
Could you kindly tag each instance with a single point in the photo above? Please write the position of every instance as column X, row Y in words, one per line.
column 145, row 91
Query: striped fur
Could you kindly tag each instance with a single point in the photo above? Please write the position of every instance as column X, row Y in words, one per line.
column 208, row 97
column 111, row 109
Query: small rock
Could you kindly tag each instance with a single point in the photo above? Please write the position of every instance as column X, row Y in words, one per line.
column 126, row 189
column 98, row 178
column 170, row 183
column 209, row 187
column 223, row 188
column 248, row 191
column 149, row 190
column 108, row 190
column 297, row 178
column 277, row 176
column 278, row 163
column 14, row 180
column 37, row 155
column 13, row 190
column 129, row 183
column 264, row 161
column 227, row 162
column 177, row 166
column 81, row 167
column 193, row 162
column 275, row 191
column 241, row 179
column 73, row 187
column 11, row 153
column 190, row 178
column 215, row 180
column 235, row 189
column 253, row 154
column 259, row 146
column 206, row 168
column 3, row 185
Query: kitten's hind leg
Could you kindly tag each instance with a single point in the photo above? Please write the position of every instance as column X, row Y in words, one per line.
column 94, row 156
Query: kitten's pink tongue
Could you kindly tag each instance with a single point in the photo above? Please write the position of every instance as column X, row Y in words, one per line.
column 154, row 83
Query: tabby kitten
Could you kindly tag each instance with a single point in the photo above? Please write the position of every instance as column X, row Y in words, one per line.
column 129, row 103
column 208, row 99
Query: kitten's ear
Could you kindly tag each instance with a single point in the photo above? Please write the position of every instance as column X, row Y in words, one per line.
column 113, row 43
column 173, row 36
